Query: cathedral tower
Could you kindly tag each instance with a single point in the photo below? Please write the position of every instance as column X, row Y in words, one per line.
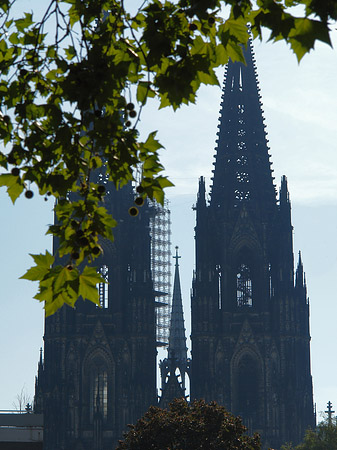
column 250, row 315
column 99, row 368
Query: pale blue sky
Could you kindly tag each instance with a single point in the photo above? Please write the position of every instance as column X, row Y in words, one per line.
column 300, row 104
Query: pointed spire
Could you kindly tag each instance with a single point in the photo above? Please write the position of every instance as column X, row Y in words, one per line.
column 285, row 205
column 201, row 200
column 177, row 341
column 300, row 281
column 176, row 363
column 40, row 367
column 242, row 170
column 39, row 386
column 284, row 194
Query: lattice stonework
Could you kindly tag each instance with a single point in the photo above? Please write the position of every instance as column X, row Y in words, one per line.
column 160, row 230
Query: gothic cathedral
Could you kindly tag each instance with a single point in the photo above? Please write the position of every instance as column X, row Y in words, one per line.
column 99, row 368
column 250, row 314
column 250, row 310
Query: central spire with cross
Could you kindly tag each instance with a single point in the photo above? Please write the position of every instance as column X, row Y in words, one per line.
column 177, row 360
column 177, row 340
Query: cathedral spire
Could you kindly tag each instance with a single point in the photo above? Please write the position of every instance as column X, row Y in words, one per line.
column 177, row 340
column 176, row 364
column 242, row 170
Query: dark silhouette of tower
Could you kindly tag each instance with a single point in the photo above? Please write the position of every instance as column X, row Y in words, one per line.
column 250, row 318
column 99, row 367
column 176, row 365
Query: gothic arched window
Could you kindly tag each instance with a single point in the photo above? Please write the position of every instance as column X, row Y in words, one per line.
column 98, row 391
column 244, row 290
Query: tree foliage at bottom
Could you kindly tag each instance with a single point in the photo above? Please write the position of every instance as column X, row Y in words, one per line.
column 324, row 437
column 184, row 426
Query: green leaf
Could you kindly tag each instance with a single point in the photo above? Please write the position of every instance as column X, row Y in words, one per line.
column 14, row 185
column 36, row 273
column 53, row 306
column 152, row 144
column 208, row 78
column 144, row 91
column 238, row 28
column 13, row 39
column 25, row 22
column 164, row 182
column 43, row 265
column 45, row 294
column 46, row 260
column 235, row 52
column 159, row 196
column 307, row 31
column 221, row 55
column 67, row 274
column 89, row 279
column 199, row 46
column 70, row 52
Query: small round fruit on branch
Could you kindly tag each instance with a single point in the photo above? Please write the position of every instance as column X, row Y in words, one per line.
column 96, row 250
column 29, row 194
column 23, row 72
column 11, row 159
column 133, row 211
column 75, row 255
column 15, row 171
column 139, row 201
column 101, row 189
column 84, row 241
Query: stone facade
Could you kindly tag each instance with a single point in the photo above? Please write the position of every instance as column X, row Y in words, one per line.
column 98, row 372
column 250, row 311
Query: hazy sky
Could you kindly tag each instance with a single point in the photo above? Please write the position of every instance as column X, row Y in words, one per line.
column 300, row 108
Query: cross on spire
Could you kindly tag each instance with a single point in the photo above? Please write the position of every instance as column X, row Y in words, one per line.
column 176, row 257
column 329, row 412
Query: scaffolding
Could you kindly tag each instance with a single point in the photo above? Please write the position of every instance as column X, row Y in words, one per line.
column 160, row 230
